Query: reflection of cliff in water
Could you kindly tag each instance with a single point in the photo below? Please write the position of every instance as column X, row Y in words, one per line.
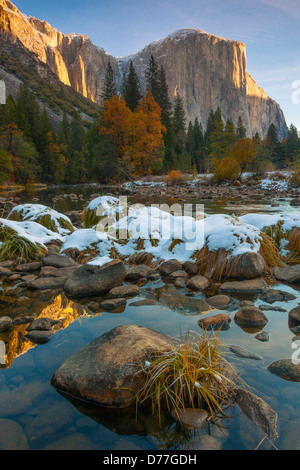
column 171, row 298
column 59, row 309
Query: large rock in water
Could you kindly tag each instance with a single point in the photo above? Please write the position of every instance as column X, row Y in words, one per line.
column 289, row 274
column 252, row 286
column 286, row 369
column 105, row 371
column 250, row 317
column 91, row 280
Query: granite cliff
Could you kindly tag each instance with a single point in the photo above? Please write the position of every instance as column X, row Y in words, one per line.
column 207, row 71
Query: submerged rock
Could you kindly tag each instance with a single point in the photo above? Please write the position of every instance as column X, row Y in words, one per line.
column 106, row 371
column 286, row 369
column 244, row 353
column 258, row 411
column 113, row 304
column 190, row 417
column 273, row 295
column 89, row 280
column 264, row 336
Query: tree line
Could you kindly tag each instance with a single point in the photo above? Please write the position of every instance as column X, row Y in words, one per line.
column 135, row 134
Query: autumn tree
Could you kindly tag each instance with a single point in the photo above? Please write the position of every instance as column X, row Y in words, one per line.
column 243, row 152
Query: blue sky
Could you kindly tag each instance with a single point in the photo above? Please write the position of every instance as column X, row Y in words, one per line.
column 269, row 28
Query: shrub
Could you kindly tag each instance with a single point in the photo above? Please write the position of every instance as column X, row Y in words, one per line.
column 175, row 177
column 295, row 178
column 225, row 169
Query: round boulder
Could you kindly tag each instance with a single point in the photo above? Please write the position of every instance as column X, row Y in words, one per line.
column 250, row 317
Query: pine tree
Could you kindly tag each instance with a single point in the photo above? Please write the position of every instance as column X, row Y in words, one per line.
column 109, row 85
column 241, row 131
column 131, row 89
column 164, row 99
column 153, row 79
column 179, row 118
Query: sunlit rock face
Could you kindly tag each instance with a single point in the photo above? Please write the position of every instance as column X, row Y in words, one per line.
column 207, row 71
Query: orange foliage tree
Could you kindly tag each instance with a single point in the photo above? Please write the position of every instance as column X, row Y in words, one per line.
column 243, row 152
column 137, row 134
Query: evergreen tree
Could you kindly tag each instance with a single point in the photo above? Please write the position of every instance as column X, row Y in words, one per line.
column 164, row 99
column 153, row 79
column 241, row 131
column 179, row 118
column 131, row 89
column 109, row 85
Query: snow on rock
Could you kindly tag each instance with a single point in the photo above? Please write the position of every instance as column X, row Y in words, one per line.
column 32, row 231
column 35, row 212
column 262, row 221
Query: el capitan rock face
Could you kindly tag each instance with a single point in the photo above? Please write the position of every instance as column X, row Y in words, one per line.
column 207, row 71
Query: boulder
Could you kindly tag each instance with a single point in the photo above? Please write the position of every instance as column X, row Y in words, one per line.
column 28, row 267
column 198, row 283
column 220, row 302
column 253, row 286
column 58, row 261
column 289, row 274
column 38, row 336
column 89, row 280
column 250, row 317
column 143, row 303
column 249, row 266
column 286, row 369
column 105, row 372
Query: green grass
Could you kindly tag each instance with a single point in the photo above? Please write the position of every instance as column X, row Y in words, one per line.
column 193, row 374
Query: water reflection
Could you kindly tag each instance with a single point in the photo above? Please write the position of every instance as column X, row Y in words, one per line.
column 60, row 309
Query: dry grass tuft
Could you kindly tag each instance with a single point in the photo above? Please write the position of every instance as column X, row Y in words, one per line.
column 15, row 247
column 193, row 374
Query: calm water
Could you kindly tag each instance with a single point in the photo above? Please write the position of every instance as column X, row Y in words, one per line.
column 34, row 415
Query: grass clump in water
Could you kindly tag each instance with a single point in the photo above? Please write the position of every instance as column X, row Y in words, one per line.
column 193, row 374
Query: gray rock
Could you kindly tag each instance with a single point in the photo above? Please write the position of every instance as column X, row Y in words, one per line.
column 270, row 308
column 250, row 266
column 244, row 353
column 190, row 268
column 143, row 303
column 169, row 267
column 273, row 295
column 105, row 371
column 58, row 261
column 258, row 411
column 42, row 324
column 28, row 267
column 91, row 280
